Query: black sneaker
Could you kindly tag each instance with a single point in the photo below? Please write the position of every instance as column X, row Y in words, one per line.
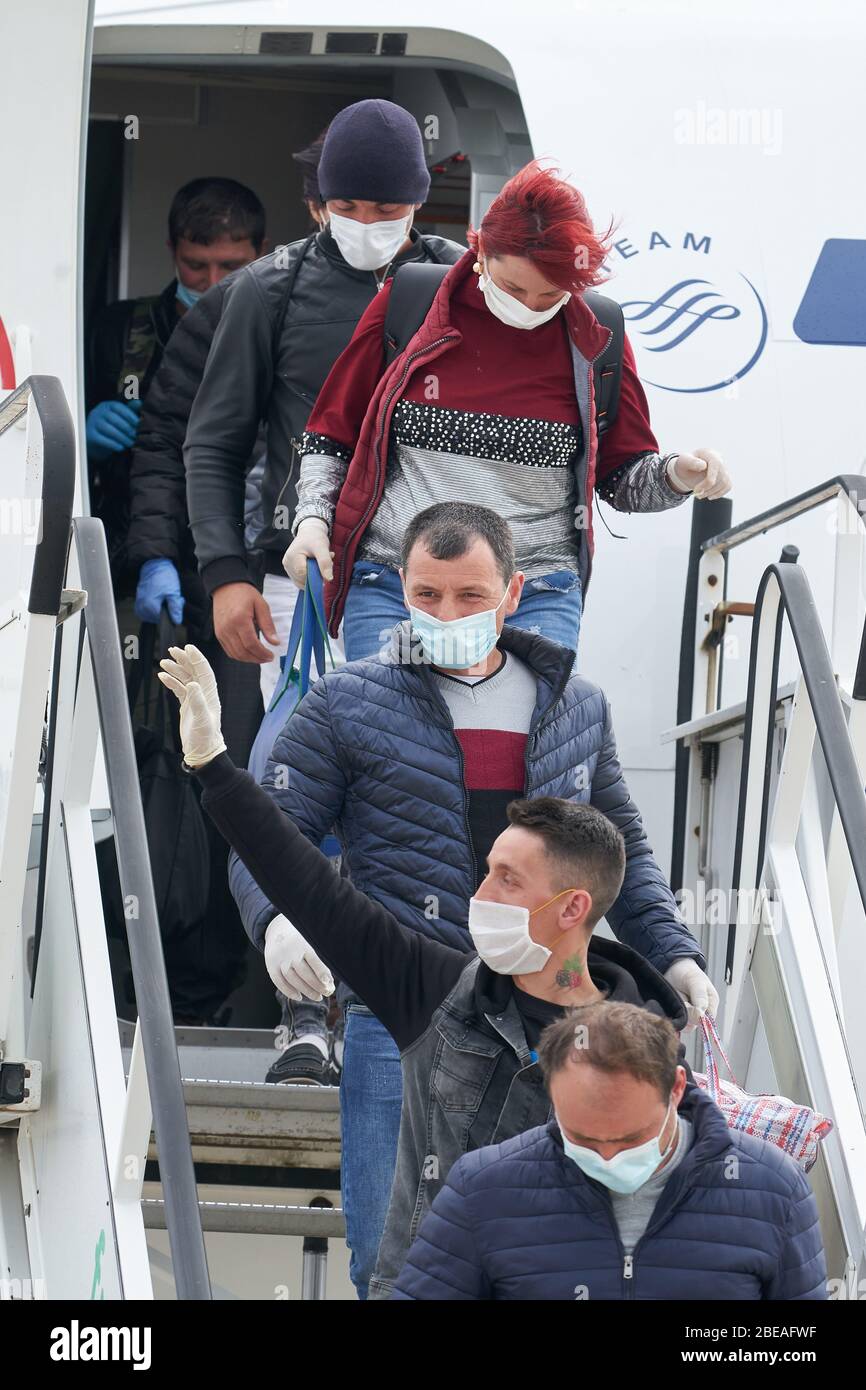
column 302, row 1064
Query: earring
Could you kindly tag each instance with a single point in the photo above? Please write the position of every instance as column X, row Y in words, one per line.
column 477, row 267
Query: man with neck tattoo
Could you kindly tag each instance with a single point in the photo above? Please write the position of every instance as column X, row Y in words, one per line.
column 467, row 1025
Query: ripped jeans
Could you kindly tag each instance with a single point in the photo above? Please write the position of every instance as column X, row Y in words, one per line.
column 551, row 605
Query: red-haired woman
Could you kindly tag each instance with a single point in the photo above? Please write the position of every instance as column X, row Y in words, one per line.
column 478, row 409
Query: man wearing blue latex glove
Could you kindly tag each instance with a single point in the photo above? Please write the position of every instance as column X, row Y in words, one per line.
column 215, row 226
column 158, row 584
column 111, row 427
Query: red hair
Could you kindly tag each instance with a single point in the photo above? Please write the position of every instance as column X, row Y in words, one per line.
column 540, row 216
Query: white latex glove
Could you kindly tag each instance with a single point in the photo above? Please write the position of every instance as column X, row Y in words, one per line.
column 311, row 543
column 702, row 473
column 294, row 966
column 696, row 989
column 189, row 676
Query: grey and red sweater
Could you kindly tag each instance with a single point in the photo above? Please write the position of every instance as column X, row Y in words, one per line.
column 477, row 411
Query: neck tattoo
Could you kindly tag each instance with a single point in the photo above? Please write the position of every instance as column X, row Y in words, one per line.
column 570, row 973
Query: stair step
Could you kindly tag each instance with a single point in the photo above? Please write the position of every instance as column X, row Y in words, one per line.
column 217, row 1054
column 256, row 1123
column 237, row 1117
column 262, row 1095
column 255, row 1218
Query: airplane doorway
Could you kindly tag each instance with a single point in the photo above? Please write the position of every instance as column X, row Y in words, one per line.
column 159, row 118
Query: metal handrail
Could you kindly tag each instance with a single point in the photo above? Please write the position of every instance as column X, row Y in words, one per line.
column 49, row 560
column 854, row 488
column 851, row 484
column 177, row 1172
column 45, row 599
column 58, row 484
column 798, row 605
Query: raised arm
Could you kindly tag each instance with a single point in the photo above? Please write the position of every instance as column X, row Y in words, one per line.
column 400, row 975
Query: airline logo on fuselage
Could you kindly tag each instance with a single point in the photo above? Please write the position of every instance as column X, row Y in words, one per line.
column 695, row 324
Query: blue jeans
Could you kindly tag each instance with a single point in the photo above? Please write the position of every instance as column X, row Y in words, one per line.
column 371, row 1094
column 551, row 605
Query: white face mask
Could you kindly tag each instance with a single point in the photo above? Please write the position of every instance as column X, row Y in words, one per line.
column 510, row 310
column 500, row 933
column 369, row 245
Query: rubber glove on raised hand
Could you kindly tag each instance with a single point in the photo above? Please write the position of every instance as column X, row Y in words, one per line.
column 111, row 427
column 158, row 584
column 189, row 676
column 311, row 543
column 696, row 989
column 702, row 473
column 294, row 967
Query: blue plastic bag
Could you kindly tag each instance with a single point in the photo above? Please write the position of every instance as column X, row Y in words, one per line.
column 308, row 638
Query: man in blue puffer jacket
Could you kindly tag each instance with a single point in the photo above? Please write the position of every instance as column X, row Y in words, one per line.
column 637, row 1190
column 413, row 756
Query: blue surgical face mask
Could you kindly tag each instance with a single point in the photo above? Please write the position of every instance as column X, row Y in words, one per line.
column 187, row 296
column 627, row 1170
column 460, row 643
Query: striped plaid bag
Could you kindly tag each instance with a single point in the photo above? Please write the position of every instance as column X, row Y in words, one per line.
column 795, row 1128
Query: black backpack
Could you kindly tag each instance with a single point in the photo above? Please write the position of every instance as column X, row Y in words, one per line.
column 413, row 290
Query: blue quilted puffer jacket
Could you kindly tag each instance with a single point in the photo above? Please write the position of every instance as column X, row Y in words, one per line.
column 371, row 751
column 736, row 1220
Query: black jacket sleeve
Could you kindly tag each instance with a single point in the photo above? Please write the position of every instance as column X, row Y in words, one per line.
column 401, row 975
column 223, row 425
column 157, row 478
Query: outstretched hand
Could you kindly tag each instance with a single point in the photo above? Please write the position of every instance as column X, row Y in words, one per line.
column 190, row 677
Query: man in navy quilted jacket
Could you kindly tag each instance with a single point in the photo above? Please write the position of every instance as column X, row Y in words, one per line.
column 413, row 755
column 636, row 1190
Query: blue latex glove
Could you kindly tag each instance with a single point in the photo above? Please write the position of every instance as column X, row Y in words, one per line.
column 158, row 583
column 111, row 427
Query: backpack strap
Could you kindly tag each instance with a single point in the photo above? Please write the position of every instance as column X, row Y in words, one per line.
column 140, row 344
column 413, row 289
column 607, row 369
column 288, row 289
